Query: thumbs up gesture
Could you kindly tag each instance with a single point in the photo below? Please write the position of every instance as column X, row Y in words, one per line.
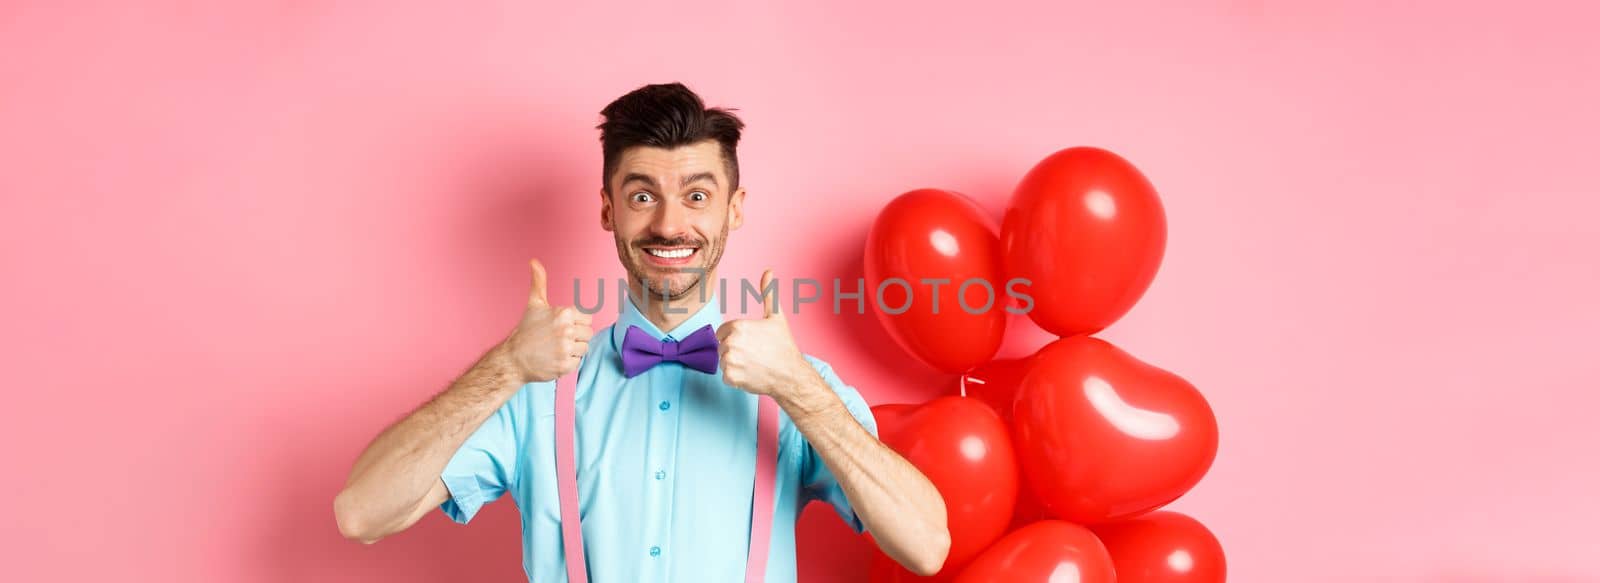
column 549, row 341
column 760, row 356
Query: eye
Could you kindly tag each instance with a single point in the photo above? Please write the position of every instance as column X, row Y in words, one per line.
column 641, row 197
column 699, row 196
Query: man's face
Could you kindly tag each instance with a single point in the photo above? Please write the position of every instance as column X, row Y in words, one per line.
column 671, row 210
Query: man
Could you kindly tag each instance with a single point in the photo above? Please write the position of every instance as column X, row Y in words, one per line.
column 666, row 452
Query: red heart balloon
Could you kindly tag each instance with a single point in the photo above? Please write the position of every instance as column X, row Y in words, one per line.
column 938, row 235
column 1087, row 229
column 964, row 448
column 1103, row 436
column 995, row 383
column 1044, row 552
column 1163, row 547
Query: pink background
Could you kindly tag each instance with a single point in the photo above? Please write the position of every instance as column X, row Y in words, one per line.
column 238, row 241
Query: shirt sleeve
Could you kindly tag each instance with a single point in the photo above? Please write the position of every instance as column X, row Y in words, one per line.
column 817, row 481
column 485, row 466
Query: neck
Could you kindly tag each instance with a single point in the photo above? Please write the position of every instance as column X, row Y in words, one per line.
column 666, row 313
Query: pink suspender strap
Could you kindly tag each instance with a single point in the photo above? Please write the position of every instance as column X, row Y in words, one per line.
column 567, row 483
column 761, row 503
column 567, row 478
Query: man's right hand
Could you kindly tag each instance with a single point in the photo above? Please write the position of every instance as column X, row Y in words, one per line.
column 549, row 341
column 397, row 479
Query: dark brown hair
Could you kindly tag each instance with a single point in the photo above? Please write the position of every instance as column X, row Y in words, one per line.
column 666, row 115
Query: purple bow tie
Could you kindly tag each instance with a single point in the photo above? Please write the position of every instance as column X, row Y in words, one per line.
column 640, row 351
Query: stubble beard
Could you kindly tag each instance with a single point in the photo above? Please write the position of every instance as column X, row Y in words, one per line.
column 632, row 258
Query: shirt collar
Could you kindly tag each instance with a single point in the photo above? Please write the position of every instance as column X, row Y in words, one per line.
column 708, row 315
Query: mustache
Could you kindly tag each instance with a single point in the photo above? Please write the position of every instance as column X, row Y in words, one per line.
column 665, row 242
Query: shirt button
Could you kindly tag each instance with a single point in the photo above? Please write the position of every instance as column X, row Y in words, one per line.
column 661, row 474
column 655, row 551
column 665, row 405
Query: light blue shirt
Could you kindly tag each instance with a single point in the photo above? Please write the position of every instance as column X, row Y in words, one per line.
column 666, row 465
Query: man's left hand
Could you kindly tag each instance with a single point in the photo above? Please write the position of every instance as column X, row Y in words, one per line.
column 760, row 356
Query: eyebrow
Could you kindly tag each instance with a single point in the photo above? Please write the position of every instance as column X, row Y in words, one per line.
column 687, row 180
column 651, row 182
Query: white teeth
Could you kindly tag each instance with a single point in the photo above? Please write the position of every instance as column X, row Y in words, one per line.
column 671, row 253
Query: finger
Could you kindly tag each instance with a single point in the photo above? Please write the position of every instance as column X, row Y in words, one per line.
column 770, row 305
column 722, row 333
column 536, row 293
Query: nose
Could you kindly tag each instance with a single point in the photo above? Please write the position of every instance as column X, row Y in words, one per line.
column 670, row 221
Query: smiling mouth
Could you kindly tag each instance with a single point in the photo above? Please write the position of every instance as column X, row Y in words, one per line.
column 670, row 256
column 671, row 253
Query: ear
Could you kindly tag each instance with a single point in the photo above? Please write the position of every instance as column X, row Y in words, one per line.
column 605, row 211
column 736, row 209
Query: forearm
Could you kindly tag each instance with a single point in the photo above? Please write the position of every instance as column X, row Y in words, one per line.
column 899, row 506
column 399, row 468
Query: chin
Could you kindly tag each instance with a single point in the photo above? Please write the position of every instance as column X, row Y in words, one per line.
column 680, row 285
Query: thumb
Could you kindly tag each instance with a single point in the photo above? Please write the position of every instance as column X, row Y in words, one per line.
column 536, row 293
column 770, row 305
